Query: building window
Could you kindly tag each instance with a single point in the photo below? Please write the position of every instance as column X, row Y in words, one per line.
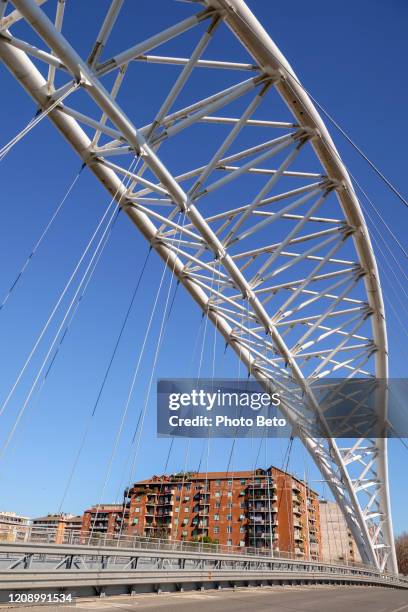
column 242, row 530
column 242, row 505
column 242, row 517
column 187, row 498
column 176, row 521
column 229, row 529
column 217, row 504
column 177, row 497
column 242, row 543
column 229, row 494
column 138, row 498
column 179, row 487
column 137, row 509
column 177, row 509
column 187, row 509
column 217, row 494
column 188, row 486
column 185, row 533
column 216, row 530
column 216, row 517
column 243, row 481
column 185, row 521
column 229, row 517
column 229, row 505
column 218, row 482
column 229, row 542
column 135, row 521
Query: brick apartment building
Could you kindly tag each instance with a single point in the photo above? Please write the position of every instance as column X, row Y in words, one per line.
column 258, row 508
column 105, row 519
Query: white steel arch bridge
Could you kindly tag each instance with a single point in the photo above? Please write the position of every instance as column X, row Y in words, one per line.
column 263, row 229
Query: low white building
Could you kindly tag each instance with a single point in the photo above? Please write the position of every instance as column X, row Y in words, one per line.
column 13, row 526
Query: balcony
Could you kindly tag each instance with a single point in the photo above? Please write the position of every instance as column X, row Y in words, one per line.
column 262, row 520
column 263, row 528
column 263, row 508
column 165, row 513
column 297, row 510
column 262, row 485
column 166, row 501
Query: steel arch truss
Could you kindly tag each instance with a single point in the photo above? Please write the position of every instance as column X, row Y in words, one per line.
column 270, row 239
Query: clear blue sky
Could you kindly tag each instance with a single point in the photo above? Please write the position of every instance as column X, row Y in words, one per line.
column 352, row 57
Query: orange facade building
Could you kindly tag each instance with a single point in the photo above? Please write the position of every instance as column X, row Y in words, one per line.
column 105, row 519
column 262, row 509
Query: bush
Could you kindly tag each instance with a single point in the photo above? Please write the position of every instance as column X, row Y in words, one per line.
column 401, row 547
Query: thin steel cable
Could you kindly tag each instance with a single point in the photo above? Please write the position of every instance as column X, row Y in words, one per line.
column 5, row 149
column 130, row 394
column 391, row 268
column 95, row 406
column 54, row 341
column 159, row 343
column 186, row 455
column 39, row 241
column 61, row 296
column 139, row 422
column 81, row 296
column 200, row 363
column 68, row 311
column 71, row 318
column 123, row 479
column 54, row 310
column 343, row 132
column 125, row 182
column 116, row 445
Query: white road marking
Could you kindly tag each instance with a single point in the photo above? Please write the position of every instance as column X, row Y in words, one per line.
column 405, row 607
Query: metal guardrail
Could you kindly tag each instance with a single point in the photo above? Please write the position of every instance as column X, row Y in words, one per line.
column 46, row 535
column 43, row 559
column 128, row 564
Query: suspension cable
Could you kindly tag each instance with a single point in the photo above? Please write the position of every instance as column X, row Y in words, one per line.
column 107, row 371
column 342, row 131
column 74, row 312
column 35, row 121
column 54, row 341
column 135, row 375
column 116, row 210
column 39, row 241
column 62, row 294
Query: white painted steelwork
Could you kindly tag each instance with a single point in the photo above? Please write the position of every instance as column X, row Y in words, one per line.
column 325, row 316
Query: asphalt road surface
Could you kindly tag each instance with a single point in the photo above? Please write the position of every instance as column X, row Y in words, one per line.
column 275, row 599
